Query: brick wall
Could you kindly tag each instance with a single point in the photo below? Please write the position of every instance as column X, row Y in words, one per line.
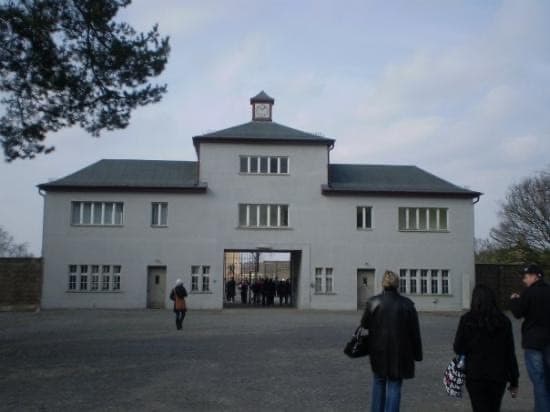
column 20, row 283
column 503, row 279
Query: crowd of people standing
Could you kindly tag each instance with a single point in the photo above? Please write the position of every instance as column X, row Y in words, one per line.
column 261, row 291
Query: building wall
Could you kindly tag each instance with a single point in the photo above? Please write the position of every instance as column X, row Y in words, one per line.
column 202, row 226
column 20, row 282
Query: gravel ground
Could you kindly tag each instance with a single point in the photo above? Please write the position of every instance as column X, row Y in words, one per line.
column 231, row 360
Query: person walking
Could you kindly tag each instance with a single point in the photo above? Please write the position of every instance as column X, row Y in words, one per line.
column 178, row 295
column 230, row 290
column 485, row 337
column 533, row 305
column 394, row 343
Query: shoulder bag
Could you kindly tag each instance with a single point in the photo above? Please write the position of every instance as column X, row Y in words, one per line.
column 358, row 345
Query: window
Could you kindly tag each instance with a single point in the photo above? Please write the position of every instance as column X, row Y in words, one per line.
column 364, row 217
column 328, row 280
column 72, row 277
column 83, row 282
column 272, row 165
column 206, row 278
column 263, row 216
column 423, row 281
column 105, row 280
column 432, row 281
column 116, row 282
column 445, row 282
column 97, row 213
column 324, row 277
column 423, row 219
column 87, row 278
column 195, row 278
column 435, row 281
column 95, row 283
column 159, row 214
column 412, row 281
column 116, row 277
column 200, row 279
column 318, row 280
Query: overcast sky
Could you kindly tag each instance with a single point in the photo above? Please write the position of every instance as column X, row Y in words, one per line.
column 458, row 88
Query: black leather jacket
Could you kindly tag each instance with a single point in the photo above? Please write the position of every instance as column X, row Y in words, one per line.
column 534, row 306
column 394, row 335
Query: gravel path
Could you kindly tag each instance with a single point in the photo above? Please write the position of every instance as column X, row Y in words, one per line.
column 231, row 360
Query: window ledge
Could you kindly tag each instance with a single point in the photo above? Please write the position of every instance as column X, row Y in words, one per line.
column 365, row 229
column 263, row 174
column 263, row 228
column 159, row 226
column 82, row 225
column 429, row 295
column 93, row 291
column 325, row 293
column 424, row 231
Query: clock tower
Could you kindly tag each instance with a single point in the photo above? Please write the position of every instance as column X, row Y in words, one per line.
column 262, row 106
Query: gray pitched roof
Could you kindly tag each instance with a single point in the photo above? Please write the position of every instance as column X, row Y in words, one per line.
column 262, row 131
column 353, row 178
column 262, row 97
column 154, row 175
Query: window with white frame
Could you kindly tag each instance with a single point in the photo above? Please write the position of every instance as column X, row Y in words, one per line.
column 328, row 280
column 72, row 277
column 432, row 281
column 195, row 278
column 445, row 282
column 423, row 219
column 94, row 278
column 324, row 281
column 263, row 215
column 159, row 214
column 97, row 213
column 116, row 277
column 424, row 281
column 270, row 165
column 318, row 280
column 206, row 278
column 364, row 217
column 200, row 278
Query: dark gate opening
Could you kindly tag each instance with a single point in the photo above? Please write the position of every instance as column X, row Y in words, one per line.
column 259, row 279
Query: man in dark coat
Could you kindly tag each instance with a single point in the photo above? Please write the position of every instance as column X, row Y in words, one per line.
column 230, row 289
column 394, row 343
column 534, row 306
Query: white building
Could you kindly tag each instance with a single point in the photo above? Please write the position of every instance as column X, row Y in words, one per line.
column 118, row 233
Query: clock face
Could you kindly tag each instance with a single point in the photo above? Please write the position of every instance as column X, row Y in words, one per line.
column 261, row 111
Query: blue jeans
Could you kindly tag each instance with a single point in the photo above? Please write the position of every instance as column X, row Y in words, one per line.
column 537, row 363
column 386, row 394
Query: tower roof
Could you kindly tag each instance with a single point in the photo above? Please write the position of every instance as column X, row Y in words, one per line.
column 262, row 97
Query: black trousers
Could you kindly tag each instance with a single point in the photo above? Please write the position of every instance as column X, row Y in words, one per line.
column 486, row 396
column 180, row 315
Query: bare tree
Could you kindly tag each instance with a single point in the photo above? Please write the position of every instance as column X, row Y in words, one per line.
column 8, row 247
column 525, row 215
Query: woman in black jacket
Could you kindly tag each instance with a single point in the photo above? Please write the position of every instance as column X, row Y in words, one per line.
column 485, row 336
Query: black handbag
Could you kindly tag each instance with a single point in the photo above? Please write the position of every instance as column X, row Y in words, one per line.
column 358, row 345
